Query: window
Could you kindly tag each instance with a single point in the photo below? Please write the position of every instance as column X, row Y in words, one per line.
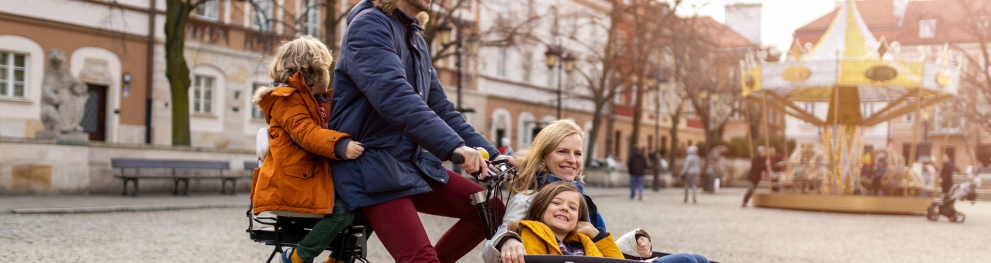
column 736, row 112
column 501, row 67
column 867, row 109
column 527, row 65
column 504, row 12
column 983, row 24
column 311, row 20
column 256, row 113
column 910, row 117
column 203, row 94
column 209, row 10
column 810, row 108
column 529, row 9
column 592, row 38
column 651, row 99
column 260, row 18
column 13, row 74
column 927, row 28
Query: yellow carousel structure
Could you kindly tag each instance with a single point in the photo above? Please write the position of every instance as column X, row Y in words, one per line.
column 846, row 68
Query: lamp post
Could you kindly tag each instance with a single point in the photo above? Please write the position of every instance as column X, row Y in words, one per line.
column 444, row 33
column 652, row 79
column 567, row 64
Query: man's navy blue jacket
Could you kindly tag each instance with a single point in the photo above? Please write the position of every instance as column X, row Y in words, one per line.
column 386, row 95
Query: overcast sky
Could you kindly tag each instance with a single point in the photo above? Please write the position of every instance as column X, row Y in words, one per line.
column 779, row 18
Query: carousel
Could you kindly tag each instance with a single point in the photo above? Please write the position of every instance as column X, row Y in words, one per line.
column 846, row 68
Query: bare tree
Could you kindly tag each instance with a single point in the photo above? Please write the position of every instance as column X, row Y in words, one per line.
column 650, row 23
column 176, row 16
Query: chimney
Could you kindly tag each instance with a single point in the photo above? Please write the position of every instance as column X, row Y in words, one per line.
column 899, row 9
column 745, row 19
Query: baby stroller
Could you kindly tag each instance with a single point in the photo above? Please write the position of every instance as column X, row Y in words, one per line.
column 944, row 204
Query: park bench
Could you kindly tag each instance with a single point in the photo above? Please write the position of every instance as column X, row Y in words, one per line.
column 138, row 164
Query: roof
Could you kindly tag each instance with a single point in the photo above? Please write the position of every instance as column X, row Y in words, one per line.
column 950, row 22
column 878, row 15
column 722, row 35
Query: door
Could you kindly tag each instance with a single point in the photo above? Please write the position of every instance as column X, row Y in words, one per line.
column 95, row 119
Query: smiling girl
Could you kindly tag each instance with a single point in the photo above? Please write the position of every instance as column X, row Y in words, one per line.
column 557, row 224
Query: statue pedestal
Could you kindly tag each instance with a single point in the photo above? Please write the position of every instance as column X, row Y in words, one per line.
column 72, row 138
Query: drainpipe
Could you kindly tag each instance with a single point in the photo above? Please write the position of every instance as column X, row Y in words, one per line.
column 149, row 71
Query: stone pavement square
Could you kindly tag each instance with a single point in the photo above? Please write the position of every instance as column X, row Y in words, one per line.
column 716, row 227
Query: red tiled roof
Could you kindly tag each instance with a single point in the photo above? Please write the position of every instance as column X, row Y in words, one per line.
column 878, row 15
column 953, row 25
column 880, row 19
column 722, row 35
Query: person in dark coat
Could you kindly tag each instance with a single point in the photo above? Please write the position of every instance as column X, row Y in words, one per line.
column 655, row 164
column 637, row 165
column 946, row 174
column 879, row 171
column 386, row 95
column 758, row 165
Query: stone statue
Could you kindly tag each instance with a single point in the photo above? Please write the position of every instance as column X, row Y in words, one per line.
column 63, row 101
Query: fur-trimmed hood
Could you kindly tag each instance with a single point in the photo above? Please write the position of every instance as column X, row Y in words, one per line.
column 390, row 6
column 260, row 94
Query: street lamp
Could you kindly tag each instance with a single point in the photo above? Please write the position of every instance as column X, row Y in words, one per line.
column 567, row 64
column 444, row 33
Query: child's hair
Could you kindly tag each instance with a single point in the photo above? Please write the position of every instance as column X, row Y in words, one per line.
column 547, row 194
column 305, row 55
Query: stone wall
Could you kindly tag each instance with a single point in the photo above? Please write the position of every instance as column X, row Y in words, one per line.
column 43, row 167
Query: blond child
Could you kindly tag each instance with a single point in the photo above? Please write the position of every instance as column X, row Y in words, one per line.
column 295, row 175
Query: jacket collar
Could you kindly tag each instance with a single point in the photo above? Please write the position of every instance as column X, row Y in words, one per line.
column 544, row 178
column 387, row 6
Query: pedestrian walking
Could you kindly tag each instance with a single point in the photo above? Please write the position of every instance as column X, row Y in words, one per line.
column 637, row 166
column 946, row 174
column 758, row 165
column 928, row 172
column 690, row 173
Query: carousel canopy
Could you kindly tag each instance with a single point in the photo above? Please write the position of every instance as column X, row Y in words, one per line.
column 849, row 66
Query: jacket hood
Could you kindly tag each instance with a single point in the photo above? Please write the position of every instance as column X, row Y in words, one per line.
column 693, row 150
column 260, row 94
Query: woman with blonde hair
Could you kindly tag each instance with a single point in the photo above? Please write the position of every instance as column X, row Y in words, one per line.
column 556, row 155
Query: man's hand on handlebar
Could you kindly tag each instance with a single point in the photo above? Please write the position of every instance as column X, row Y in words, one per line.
column 473, row 161
column 509, row 159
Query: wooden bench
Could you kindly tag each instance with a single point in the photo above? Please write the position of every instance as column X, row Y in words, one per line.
column 138, row 164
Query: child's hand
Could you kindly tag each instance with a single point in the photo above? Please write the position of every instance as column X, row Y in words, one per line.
column 586, row 228
column 644, row 247
column 354, row 150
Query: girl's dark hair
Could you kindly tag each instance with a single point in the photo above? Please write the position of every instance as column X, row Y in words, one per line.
column 547, row 194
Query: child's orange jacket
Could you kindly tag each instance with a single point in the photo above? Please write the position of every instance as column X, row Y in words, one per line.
column 295, row 176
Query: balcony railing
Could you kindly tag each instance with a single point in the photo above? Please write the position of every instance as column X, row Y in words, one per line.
column 208, row 32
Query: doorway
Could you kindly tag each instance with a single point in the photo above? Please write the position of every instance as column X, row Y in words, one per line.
column 95, row 116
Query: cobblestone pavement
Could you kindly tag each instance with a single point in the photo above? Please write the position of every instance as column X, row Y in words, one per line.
column 716, row 227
